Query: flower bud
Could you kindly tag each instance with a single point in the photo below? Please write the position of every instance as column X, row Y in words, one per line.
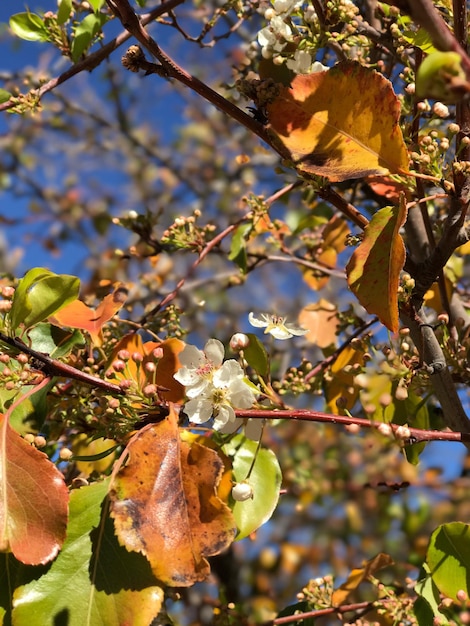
column 242, row 491
column 239, row 341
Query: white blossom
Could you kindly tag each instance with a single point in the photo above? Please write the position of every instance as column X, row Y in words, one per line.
column 286, row 6
column 214, row 388
column 301, row 63
column 276, row 326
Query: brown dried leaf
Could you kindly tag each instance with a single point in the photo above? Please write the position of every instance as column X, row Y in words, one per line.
column 164, row 504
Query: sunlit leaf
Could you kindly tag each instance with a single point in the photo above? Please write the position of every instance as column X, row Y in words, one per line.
column 78, row 315
column 265, row 479
column 33, row 500
column 63, row 11
column 167, row 364
column 165, row 506
column 40, row 294
column 29, row 26
column 375, row 266
column 85, row 33
column 448, row 558
column 321, row 320
column 54, row 341
column 340, row 383
column 426, row 607
column 341, row 123
column 359, row 575
column 93, row 581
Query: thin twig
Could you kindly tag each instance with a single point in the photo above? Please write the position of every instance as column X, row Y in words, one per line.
column 52, row 367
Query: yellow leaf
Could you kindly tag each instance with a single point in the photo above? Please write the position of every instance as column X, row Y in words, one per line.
column 342, row 384
column 374, row 268
column 341, row 123
column 358, row 575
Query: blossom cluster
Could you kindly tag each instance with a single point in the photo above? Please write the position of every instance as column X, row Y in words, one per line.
column 214, row 387
column 280, row 33
column 293, row 32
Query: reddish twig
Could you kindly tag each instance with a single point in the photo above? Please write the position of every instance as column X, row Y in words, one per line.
column 413, row 435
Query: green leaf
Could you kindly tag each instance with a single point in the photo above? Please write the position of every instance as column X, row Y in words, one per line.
column 256, row 356
column 238, row 247
column 426, row 606
column 85, row 33
column 64, row 11
column 40, row 294
column 54, row 341
column 265, row 479
column 4, row 96
column 94, row 581
column 420, row 38
column 96, row 4
column 448, row 558
column 29, row 26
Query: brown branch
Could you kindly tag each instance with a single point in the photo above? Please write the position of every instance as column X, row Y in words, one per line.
column 346, row 208
column 130, row 21
column 52, row 367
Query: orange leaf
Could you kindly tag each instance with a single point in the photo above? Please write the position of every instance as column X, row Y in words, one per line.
column 321, row 320
column 78, row 315
column 341, row 123
column 374, row 268
column 166, row 366
column 164, row 504
column 33, row 500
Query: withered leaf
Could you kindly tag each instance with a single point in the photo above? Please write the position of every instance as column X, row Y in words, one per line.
column 164, row 504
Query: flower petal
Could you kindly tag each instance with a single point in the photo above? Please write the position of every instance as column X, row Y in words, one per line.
column 191, row 357
column 225, row 414
column 198, row 410
column 257, row 322
column 214, row 351
column 231, row 370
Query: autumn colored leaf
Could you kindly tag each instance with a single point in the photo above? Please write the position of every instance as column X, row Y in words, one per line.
column 340, row 382
column 94, row 581
column 33, row 500
column 165, row 506
column 163, row 354
column 326, row 253
column 386, row 187
column 78, row 315
column 321, row 320
column 374, row 268
column 359, row 575
column 341, row 123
